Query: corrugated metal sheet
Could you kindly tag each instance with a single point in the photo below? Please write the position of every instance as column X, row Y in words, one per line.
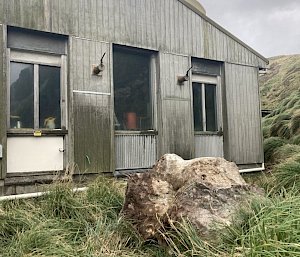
column 208, row 146
column 175, row 110
column 166, row 25
column 135, row 151
column 3, row 99
column 91, row 127
column 243, row 137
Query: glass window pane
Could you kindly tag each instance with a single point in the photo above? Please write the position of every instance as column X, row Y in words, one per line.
column 211, row 107
column 197, row 106
column 133, row 109
column 49, row 89
column 21, row 95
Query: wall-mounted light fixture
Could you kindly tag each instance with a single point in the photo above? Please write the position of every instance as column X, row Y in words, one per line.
column 182, row 79
column 98, row 69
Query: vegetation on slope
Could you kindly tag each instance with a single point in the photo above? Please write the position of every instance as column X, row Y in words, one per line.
column 280, row 91
column 281, row 83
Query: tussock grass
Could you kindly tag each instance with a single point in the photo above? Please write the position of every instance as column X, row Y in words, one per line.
column 285, row 152
column 288, row 175
column 266, row 227
column 296, row 140
column 88, row 224
column 270, row 146
column 63, row 223
column 295, row 123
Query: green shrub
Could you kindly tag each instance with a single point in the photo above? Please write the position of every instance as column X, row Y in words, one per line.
column 270, row 145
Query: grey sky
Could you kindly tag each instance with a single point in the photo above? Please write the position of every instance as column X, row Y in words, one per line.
column 272, row 27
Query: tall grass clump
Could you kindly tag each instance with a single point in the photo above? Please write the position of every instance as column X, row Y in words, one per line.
column 183, row 240
column 295, row 123
column 269, row 227
column 285, row 152
column 64, row 223
column 287, row 175
column 270, row 145
column 296, row 140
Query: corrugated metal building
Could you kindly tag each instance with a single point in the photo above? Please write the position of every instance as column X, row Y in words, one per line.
column 102, row 84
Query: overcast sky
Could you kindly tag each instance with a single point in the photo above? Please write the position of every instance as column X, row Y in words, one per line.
column 272, row 27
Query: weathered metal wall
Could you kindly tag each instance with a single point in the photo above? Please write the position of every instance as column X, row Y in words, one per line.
column 243, row 137
column 3, row 99
column 135, row 151
column 208, row 146
column 165, row 25
column 175, row 111
column 91, row 106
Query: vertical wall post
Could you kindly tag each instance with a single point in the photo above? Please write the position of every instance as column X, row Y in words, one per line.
column 3, row 101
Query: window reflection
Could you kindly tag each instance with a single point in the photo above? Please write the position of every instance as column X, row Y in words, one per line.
column 208, row 103
column 197, row 104
column 49, row 101
column 133, row 109
column 21, row 95
column 211, row 107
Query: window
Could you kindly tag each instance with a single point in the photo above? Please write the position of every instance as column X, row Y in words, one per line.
column 35, row 92
column 205, row 106
column 132, row 89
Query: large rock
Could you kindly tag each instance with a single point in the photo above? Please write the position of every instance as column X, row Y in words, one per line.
column 206, row 191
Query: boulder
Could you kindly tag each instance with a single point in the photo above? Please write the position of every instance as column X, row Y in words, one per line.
column 205, row 191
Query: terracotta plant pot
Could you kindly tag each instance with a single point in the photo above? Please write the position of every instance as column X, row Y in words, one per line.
column 131, row 120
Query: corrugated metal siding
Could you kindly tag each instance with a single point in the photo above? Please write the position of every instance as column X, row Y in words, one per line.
column 208, row 146
column 243, row 137
column 175, row 115
column 165, row 25
column 3, row 99
column 92, row 112
column 135, row 151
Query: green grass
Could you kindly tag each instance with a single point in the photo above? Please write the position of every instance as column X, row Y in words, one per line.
column 269, row 227
column 67, row 224
column 270, row 146
column 88, row 224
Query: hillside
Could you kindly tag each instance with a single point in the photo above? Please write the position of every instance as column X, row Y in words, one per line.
column 280, row 92
column 282, row 81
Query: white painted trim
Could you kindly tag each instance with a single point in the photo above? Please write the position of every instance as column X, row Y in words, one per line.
column 35, row 195
column 35, row 58
column 205, row 79
column 90, row 92
column 253, row 169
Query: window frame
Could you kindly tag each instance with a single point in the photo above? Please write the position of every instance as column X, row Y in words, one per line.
column 153, row 72
column 214, row 80
column 36, row 59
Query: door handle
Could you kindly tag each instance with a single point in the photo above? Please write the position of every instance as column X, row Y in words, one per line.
column 61, row 150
